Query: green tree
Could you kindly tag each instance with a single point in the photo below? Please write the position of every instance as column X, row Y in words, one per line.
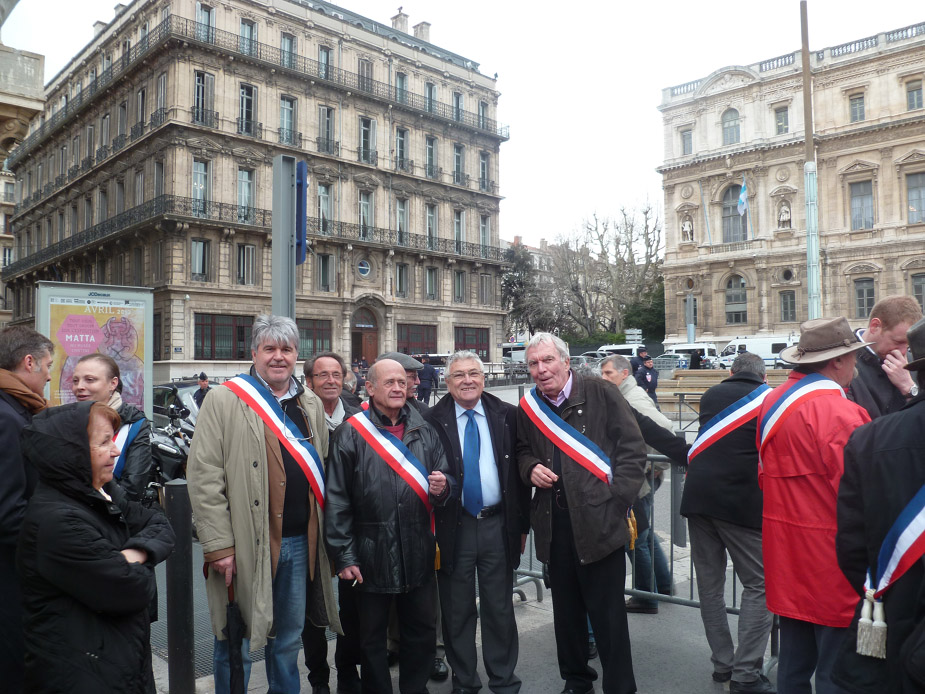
column 648, row 313
column 529, row 307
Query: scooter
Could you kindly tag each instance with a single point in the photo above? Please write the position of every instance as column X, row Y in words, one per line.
column 169, row 451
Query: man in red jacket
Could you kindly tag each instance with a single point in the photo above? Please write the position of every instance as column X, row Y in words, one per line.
column 803, row 426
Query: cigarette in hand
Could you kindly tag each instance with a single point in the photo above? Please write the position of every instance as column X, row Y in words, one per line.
column 354, row 585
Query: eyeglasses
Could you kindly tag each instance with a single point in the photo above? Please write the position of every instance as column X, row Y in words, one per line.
column 325, row 375
column 548, row 361
column 460, row 375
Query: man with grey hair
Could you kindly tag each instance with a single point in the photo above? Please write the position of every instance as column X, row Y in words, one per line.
column 578, row 443
column 261, row 444
column 722, row 502
column 25, row 360
column 482, row 532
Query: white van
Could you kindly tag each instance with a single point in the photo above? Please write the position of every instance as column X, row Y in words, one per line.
column 768, row 347
column 626, row 350
column 686, row 349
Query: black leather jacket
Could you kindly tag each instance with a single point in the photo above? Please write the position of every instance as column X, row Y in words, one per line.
column 137, row 471
column 373, row 519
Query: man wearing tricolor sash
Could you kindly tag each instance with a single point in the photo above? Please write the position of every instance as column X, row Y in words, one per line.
column 387, row 470
column 880, row 542
column 578, row 443
column 803, row 426
column 256, row 480
column 722, row 502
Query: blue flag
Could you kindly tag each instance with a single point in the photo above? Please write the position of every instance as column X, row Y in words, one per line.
column 743, row 198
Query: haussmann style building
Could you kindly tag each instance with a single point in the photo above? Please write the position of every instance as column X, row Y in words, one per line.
column 151, row 165
column 747, row 274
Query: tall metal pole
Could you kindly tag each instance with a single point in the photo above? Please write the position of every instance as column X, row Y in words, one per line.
column 284, row 235
column 810, row 189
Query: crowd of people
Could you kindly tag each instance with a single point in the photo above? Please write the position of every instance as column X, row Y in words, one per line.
column 815, row 489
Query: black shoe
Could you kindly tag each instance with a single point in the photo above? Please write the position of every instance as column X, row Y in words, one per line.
column 569, row 690
column 393, row 658
column 592, row 649
column 722, row 676
column 762, row 685
column 321, row 689
column 639, row 607
column 440, row 671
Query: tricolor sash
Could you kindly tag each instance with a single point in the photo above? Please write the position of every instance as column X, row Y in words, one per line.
column 256, row 396
column 123, row 439
column 396, row 454
column 787, row 402
column 738, row 413
column 567, row 438
column 903, row 545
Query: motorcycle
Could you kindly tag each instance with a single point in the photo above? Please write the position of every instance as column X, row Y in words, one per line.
column 169, row 451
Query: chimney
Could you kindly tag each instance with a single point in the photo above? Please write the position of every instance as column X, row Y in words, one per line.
column 422, row 31
column 542, row 244
column 119, row 8
column 98, row 28
column 517, row 240
column 400, row 22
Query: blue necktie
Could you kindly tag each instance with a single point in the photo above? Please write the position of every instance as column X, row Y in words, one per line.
column 472, row 478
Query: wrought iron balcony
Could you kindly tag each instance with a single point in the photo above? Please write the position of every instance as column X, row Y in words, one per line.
column 86, row 164
column 250, row 128
column 118, row 143
column 406, row 165
column 60, row 180
column 431, row 171
column 201, row 116
column 327, row 146
column 102, row 153
column 48, row 189
column 290, row 137
column 460, row 179
column 486, row 185
column 367, row 156
column 159, row 117
column 137, row 130
column 72, row 172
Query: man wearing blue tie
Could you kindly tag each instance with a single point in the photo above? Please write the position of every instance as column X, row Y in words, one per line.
column 483, row 532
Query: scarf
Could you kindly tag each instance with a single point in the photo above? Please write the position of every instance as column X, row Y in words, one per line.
column 115, row 401
column 14, row 386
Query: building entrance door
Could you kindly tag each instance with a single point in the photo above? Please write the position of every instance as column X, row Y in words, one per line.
column 364, row 336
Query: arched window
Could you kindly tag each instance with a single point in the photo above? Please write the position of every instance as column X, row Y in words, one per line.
column 730, row 121
column 864, row 298
column 918, row 289
column 736, row 301
column 734, row 224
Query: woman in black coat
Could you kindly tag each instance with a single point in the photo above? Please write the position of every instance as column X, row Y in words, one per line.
column 86, row 560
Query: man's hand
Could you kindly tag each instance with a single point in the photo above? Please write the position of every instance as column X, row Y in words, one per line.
column 135, row 556
column 437, row 483
column 227, row 567
column 893, row 364
column 351, row 572
column 542, row 476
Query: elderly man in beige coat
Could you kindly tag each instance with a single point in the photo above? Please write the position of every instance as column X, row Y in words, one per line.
column 256, row 481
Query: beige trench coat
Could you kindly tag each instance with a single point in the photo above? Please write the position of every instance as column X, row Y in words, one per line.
column 228, row 487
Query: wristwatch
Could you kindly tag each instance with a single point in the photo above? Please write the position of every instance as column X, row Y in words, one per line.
column 913, row 391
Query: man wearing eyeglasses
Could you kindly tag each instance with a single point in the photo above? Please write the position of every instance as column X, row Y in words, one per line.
column 324, row 374
column 578, row 443
column 484, row 531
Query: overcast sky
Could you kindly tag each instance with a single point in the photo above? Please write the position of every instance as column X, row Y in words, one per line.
column 580, row 81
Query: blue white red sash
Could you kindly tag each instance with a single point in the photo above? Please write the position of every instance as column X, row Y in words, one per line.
column 789, row 400
column 123, row 439
column 567, row 438
column 903, row 545
column 738, row 413
column 396, row 454
column 256, row 396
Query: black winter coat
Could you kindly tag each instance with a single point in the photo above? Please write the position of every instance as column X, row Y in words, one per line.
column 86, row 607
column 373, row 519
column 137, row 471
column 871, row 388
column 884, row 469
column 18, row 478
column 515, row 495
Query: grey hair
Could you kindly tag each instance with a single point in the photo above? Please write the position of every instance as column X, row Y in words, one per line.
column 350, row 381
column 549, row 338
column 750, row 363
column 309, row 364
column 462, row 355
column 280, row 330
column 17, row 341
column 619, row 362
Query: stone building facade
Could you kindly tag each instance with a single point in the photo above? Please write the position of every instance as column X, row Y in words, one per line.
column 747, row 274
column 152, row 166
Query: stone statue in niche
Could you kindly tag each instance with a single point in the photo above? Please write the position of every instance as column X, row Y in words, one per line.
column 687, row 229
column 783, row 216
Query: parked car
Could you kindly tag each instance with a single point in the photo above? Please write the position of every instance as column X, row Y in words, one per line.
column 583, row 361
column 597, row 354
column 669, row 362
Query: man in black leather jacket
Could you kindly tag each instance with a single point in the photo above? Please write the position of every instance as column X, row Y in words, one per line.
column 378, row 530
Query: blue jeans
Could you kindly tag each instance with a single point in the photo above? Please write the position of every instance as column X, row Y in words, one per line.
column 642, row 558
column 282, row 650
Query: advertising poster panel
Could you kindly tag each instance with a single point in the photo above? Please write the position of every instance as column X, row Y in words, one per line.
column 84, row 319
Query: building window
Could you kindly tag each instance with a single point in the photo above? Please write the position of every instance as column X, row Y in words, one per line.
column 157, row 335
column 483, row 115
column 204, row 99
column 7, row 256
column 287, row 50
column 863, row 297
column 457, row 106
column 200, row 260
column 788, row 307
column 158, row 178
column 326, row 144
column 314, row 336
column 459, row 229
column 401, row 150
column 473, row 339
column 486, row 290
column 247, row 96
column 324, row 207
column 222, row 337
column 782, row 120
column 364, row 268
column 158, row 259
column 401, row 280
column 138, row 266
column 324, row 62
column 687, row 142
column 918, row 289
column 417, row 339
column 915, row 191
column 140, row 107
column 736, row 301
column 88, row 213
column 365, row 213
column 325, row 272
column 459, row 286
column 430, row 157
column 247, row 264
column 734, row 224
column 247, row 214
column 365, row 74
column 459, row 176
column 430, row 283
column 160, row 96
column 287, row 134
column 205, row 23
column 862, row 205
column 856, row 108
column 102, row 207
column 401, row 220
column 914, row 95
column 484, row 234
column 247, row 42
column 139, row 185
column 431, row 226
column 430, row 96
column 484, row 171
column 401, row 87
column 367, row 149
column 200, row 192
column 730, row 122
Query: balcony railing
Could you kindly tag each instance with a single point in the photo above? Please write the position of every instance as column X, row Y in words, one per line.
column 118, row 143
column 60, row 180
column 250, row 128
column 159, row 117
column 72, row 173
column 431, row 171
column 201, row 116
column 137, row 130
column 101, row 154
column 327, row 146
column 86, row 164
column 406, row 165
column 367, row 156
column 459, row 178
column 175, row 27
column 290, row 137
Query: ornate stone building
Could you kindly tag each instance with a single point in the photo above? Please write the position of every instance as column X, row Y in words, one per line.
column 152, row 166
column 746, row 274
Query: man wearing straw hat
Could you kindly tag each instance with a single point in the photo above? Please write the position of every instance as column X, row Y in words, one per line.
column 881, row 511
column 803, row 426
